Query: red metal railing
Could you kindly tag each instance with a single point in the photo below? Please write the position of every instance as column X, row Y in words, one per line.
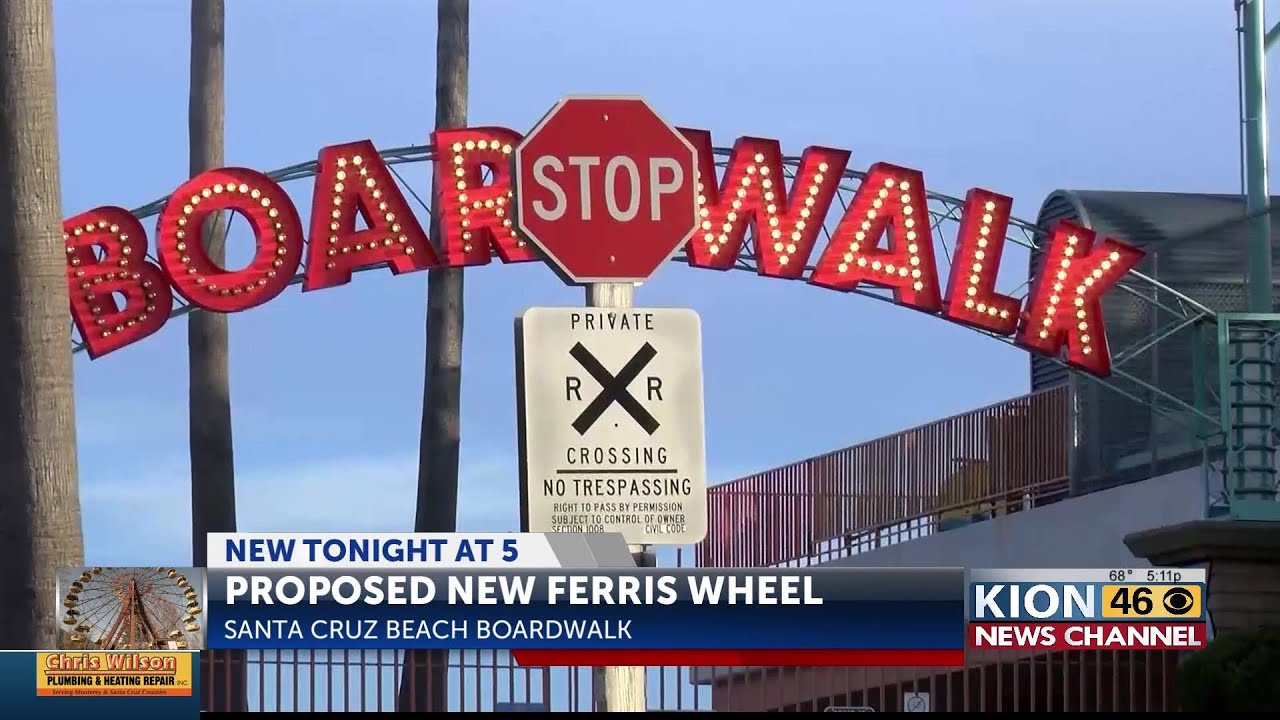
column 1081, row 681
column 1091, row 681
column 475, row 681
column 983, row 463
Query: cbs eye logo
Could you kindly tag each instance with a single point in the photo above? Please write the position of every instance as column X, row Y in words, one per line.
column 1178, row 601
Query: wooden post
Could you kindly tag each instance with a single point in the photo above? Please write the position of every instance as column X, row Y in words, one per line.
column 624, row 687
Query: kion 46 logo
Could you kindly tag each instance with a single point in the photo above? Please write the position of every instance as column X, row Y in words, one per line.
column 1148, row 601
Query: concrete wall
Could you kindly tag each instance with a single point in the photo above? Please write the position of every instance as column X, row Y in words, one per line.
column 1084, row 531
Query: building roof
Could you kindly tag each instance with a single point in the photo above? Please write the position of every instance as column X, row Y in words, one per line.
column 1192, row 239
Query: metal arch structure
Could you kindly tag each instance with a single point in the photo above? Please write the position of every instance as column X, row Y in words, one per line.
column 1174, row 313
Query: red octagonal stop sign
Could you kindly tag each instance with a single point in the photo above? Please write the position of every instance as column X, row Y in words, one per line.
column 606, row 188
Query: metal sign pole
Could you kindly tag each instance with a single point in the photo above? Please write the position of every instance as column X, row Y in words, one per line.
column 624, row 687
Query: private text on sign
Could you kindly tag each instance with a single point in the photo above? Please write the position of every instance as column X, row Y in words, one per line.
column 611, row 423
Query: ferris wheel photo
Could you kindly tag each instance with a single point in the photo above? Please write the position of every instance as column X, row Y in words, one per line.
column 130, row 609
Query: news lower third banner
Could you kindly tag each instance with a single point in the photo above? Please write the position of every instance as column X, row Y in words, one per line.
column 571, row 600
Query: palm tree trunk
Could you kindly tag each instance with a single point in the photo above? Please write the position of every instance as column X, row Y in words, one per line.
column 40, row 527
column 213, row 484
column 424, row 685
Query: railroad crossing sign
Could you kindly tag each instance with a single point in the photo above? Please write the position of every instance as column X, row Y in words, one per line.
column 606, row 188
column 611, row 423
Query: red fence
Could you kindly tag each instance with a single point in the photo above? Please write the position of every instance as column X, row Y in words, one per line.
column 476, row 681
column 1088, row 681
column 983, row 463
column 487, row 681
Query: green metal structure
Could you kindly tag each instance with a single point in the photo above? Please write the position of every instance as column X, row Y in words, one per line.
column 1246, row 342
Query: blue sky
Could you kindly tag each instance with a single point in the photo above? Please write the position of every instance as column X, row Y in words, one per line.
column 1018, row 97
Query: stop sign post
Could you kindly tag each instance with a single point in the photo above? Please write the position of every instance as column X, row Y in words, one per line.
column 606, row 189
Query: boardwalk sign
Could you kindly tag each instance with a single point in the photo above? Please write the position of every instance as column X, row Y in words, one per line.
column 360, row 218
